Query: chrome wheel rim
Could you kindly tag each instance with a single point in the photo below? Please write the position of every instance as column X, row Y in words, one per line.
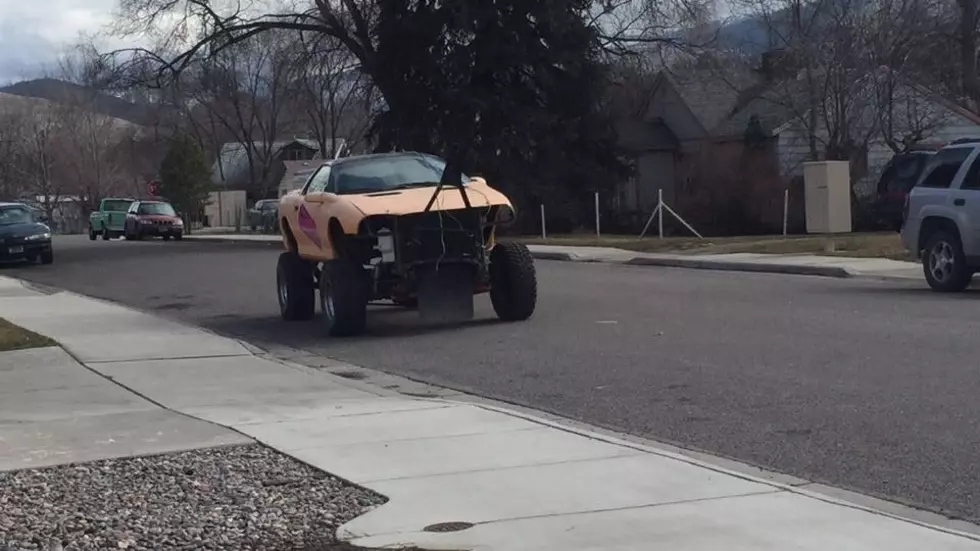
column 326, row 304
column 942, row 261
column 283, row 291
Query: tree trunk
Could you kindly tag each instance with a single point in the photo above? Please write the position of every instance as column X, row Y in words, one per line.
column 968, row 50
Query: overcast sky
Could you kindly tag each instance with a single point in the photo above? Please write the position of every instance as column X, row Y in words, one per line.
column 33, row 33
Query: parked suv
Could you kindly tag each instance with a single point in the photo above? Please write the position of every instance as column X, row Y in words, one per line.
column 897, row 179
column 941, row 218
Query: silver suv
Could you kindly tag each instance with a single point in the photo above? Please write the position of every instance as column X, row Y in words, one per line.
column 941, row 219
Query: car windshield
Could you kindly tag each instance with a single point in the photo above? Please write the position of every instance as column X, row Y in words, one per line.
column 156, row 208
column 387, row 173
column 15, row 214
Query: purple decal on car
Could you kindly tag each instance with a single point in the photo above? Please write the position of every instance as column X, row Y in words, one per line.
column 308, row 226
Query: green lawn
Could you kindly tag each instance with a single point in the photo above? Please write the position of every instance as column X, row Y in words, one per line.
column 13, row 337
column 866, row 245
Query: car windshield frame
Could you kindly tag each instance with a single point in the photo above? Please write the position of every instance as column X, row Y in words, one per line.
column 30, row 216
column 386, row 173
column 173, row 212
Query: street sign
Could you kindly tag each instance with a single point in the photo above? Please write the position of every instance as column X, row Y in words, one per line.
column 154, row 187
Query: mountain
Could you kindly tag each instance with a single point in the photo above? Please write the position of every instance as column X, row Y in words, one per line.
column 60, row 91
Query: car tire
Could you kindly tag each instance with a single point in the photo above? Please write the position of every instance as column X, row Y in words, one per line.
column 178, row 236
column 92, row 236
column 944, row 263
column 513, row 281
column 129, row 236
column 166, row 238
column 47, row 257
column 105, row 234
column 343, row 298
column 294, row 285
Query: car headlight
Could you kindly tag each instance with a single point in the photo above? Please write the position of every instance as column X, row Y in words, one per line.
column 178, row 222
column 145, row 221
column 38, row 236
column 505, row 216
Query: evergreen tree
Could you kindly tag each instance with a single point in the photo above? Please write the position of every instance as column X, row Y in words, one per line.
column 510, row 88
column 184, row 177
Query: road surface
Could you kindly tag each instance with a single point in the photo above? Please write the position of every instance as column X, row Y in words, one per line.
column 866, row 385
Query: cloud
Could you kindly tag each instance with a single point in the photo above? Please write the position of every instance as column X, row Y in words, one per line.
column 33, row 34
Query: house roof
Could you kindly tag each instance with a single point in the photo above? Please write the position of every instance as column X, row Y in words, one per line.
column 711, row 90
column 725, row 99
column 232, row 164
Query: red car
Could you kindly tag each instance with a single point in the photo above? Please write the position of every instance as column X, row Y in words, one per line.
column 153, row 219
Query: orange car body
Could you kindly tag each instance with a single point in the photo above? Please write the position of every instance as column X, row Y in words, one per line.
column 306, row 218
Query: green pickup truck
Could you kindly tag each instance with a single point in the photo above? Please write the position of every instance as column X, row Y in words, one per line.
column 110, row 220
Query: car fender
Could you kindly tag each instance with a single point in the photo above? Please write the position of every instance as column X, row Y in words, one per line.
column 958, row 217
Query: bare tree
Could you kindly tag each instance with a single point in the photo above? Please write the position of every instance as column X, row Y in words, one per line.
column 240, row 94
column 335, row 97
column 11, row 132
column 36, row 162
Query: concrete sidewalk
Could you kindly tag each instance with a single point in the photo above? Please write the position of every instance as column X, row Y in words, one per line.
column 803, row 264
column 522, row 482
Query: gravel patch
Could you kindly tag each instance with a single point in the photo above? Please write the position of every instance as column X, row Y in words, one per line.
column 237, row 497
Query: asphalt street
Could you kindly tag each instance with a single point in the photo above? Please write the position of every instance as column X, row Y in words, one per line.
column 867, row 385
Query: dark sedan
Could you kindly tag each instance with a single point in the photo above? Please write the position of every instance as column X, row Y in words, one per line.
column 23, row 236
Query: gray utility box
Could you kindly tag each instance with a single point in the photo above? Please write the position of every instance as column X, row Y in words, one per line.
column 828, row 196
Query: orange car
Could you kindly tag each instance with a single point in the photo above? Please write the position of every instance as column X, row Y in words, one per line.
column 378, row 227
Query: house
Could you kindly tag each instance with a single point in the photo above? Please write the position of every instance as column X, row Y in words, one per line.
column 232, row 169
column 295, row 175
column 723, row 143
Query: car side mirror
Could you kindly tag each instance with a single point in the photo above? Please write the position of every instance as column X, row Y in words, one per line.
column 319, row 197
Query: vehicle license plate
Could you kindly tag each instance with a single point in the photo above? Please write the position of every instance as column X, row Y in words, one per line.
column 15, row 250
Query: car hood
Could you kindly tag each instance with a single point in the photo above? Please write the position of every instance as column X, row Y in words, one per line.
column 410, row 201
column 23, row 230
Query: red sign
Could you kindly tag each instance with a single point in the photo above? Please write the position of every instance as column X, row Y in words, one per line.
column 154, row 188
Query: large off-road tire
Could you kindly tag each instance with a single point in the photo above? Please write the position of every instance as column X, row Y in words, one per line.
column 343, row 298
column 294, row 285
column 944, row 263
column 513, row 281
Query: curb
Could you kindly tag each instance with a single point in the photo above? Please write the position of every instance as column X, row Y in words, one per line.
column 666, row 262
column 544, row 255
column 232, row 240
column 824, row 271
column 718, row 265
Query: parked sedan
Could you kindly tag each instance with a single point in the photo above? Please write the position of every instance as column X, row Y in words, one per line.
column 23, row 234
column 264, row 215
column 153, row 219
